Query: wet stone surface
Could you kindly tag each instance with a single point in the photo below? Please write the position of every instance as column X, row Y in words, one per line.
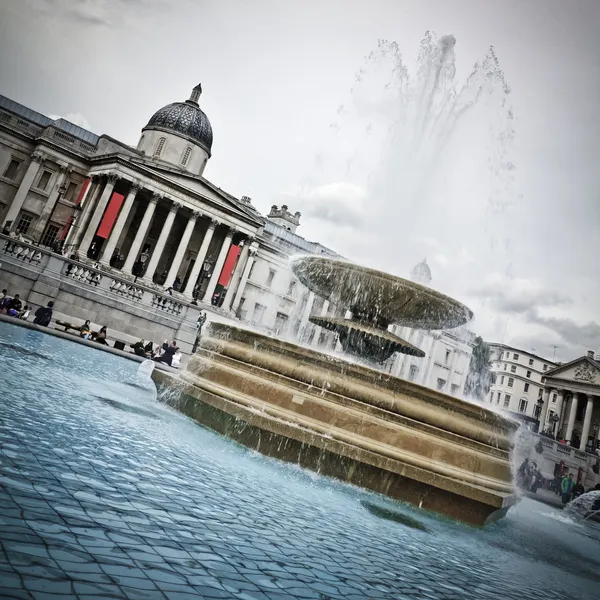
column 106, row 493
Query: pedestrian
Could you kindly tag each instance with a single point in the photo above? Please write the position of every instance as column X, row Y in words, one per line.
column 578, row 490
column 14, row 304
column 168, row 353
column 101, row 336
column 25, row 313
column 85, row 331
column 43, row 315
column 566, row 487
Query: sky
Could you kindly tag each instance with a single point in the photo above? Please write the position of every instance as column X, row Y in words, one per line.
column 293, row 98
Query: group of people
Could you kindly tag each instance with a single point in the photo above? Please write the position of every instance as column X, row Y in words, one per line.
column 170, row 354
column 13, row 307
column 85, row 331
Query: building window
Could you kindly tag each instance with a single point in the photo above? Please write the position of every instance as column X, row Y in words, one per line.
column 528, row 374
column 531, row 362
column 545, row 367
column 537, row 410
column 44, row 180
column 523, row 405
column 505, row 366
column 50, row 235
column 280, row 323
column 12, row 169
column 448, row 353
column 160, row 147
column 511, row 381
column 70, row 193
column 186, row 156
column 24, row 223
column 322, row 338
column 554, row 396
column 526, row 388
column 412, row 372
column 515, row 357
column 291, row 288
column 513, row 369
column 259, row 314
column 506, row 400
column 440, row 384
column 502, row 380
column 498, row 398
column 493, row 377
column 270, row 277
column 454, row 389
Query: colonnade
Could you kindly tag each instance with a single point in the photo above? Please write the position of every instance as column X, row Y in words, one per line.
column 567, row 403
column 94, row 209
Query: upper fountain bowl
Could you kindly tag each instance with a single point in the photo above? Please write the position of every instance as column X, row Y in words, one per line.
column 377, row 297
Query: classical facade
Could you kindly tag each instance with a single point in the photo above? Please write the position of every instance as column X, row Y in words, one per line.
column 447, row 353
column 140, row 221
column 517, row 381
column 571, row 403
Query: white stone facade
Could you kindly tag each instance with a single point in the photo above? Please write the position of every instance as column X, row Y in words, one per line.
column 517, row 380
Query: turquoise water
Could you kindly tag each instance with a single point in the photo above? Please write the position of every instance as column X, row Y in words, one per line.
column 106, row 492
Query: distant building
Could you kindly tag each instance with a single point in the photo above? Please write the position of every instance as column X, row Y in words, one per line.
column 517, row 381
column 447, row 353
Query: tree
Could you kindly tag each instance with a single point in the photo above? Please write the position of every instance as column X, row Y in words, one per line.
column 479, row 377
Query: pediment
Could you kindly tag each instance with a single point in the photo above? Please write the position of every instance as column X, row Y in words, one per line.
column 582, row 370
column 201, row 187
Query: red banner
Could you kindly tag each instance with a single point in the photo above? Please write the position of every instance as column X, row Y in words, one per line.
column 110, row 215
column 229, row 265
column 82, row 191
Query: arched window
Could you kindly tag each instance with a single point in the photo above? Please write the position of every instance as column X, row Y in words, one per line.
column 186, row 156
column 160, row 147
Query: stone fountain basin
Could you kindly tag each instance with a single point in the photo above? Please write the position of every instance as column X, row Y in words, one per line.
column 375, row 296
column 350, row 422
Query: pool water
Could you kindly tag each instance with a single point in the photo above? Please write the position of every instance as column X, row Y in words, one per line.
column 107, row 492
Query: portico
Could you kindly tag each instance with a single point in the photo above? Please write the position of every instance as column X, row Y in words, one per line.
column 168, row 239
column 571, row 409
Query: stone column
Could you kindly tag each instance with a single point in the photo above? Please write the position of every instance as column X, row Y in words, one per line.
column 87, row 204
column 587, row 421
column 181, row 248
column 50, row 203
column 239, row 292
column 140, row 236
column 92, row 226
column 162, row 241
column 37, row 158
column 545, row 407
column 572, row 413
column 115, row 234
column 560, row 410
column 189, row 288
column 73, row 233
column 212, row 284
column 240, row 267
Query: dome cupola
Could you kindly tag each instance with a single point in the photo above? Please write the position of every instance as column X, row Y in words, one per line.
column 179, row 133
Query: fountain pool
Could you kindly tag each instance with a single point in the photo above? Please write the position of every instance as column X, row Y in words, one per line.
column 107, row 492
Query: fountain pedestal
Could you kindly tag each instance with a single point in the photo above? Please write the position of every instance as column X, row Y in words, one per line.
column 350, row 422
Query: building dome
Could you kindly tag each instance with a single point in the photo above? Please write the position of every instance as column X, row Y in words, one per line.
column 184, row 119
column 421, row 273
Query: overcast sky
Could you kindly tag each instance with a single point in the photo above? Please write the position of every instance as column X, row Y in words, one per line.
column 279, row 78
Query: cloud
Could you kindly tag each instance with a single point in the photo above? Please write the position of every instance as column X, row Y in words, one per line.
column 341, row 203
column 76, row 119
column 105, row 13
column 586, row 336
column 517, row 295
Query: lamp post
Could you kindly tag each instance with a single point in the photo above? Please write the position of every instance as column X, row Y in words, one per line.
column 75, row 214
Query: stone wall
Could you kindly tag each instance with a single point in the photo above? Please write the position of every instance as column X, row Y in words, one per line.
column 81, row 291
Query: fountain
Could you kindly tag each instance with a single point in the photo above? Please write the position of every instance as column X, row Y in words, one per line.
column 348, row 420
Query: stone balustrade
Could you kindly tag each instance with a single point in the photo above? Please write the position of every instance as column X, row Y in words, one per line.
column 23, row 251
column 127, row 290
column 167, row 304
column 83, row 274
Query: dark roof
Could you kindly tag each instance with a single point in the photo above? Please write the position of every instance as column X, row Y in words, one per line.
column 185, row 119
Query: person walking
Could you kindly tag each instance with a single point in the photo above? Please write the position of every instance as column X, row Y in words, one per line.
column 566, row 487
column 43, row 315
